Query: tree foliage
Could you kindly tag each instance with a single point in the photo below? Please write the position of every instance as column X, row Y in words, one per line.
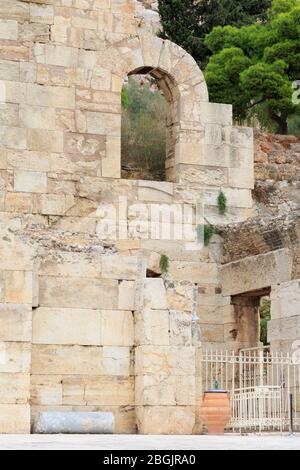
column 265, row 317
column 144, row 111
column 186, row 22
column 254, row 67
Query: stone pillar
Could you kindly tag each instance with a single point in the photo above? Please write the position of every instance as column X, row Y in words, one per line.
column 284, row 327
column 164, row 365
column 16, row 301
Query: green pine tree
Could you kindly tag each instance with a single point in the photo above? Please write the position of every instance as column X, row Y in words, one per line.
column 186, row 22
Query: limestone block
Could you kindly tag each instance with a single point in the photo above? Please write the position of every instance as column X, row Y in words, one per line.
column 65, row 120
column 12, row 252
column 180, row 328
column 164, row 391
column 30, row 181
column 190, row 153
column 62, row 185
column 1, row 286
column 44, row 2
column 117, row 328
column 217, row 155
column 15, row 322
column 66, row 326
column 284, row 329
column 100, row 390
column 241, row 137
column 14, row 389
column 127, row 295
column 73, row 390
column 116, row 361
column 212, row 333
column 203, row 175
column 42, row 140
column 213, row 134
column 205, row 273
column 9, row 114
column 13, row 138
column 170, row 54
column 241, row 158
column 35, row 117
column 14, row 419
column 15, row 357
column 127, row 268
column 62, row 359
column 19, row 202
column 87, row 59
column 13, row 92
column 155, row 294
column 46, row 390
column 226, row 312
column 165, row 360
column 18, row 287
column 84, row 147
column 78, row 293
column 154, row 262
column 256, row 272
column 180, row 295
column 11, row 50
column 116, row 83
column 236, row 197
column 55, row 204
column 51, row 96
column 241, row 177
column 151, row 49
column 103, row 123
column 17, row 10
column 74, row 422
column 111, row 164
column 42, row 13
column 285, row 300
column 155, row 191
column 72, row 264
column 216, row 113
column 9, row 70
column 152, row 327
column 170, row 420
column 55, row 55
column 33, row 32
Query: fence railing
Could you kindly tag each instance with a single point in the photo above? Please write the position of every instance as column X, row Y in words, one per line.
column 261, row 384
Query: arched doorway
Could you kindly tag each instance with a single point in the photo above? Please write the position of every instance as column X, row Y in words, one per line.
column 183, row 85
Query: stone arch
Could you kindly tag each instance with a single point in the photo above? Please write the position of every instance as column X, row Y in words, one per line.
column 184, row 86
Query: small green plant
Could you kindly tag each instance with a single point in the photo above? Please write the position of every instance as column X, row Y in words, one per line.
column 205, row 232
column 164, row 263
column 222, row 203
column 208, row 234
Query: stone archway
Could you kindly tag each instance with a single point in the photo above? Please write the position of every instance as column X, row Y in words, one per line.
column 184, row 87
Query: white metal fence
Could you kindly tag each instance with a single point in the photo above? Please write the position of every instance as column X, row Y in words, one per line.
column 261, row 384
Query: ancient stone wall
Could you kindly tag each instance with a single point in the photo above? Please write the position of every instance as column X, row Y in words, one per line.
column 277, row 174
column 82, row 327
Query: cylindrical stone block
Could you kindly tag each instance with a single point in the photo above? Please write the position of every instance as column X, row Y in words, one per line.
column 74, row 422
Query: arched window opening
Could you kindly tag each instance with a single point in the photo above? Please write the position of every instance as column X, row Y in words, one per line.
column 146, row 103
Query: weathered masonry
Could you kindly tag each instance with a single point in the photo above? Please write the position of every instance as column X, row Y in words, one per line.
column 82, row 325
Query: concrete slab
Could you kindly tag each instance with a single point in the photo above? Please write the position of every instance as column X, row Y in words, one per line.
column 130, row 442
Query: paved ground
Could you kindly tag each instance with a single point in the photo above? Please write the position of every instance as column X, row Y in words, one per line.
column 114, row 442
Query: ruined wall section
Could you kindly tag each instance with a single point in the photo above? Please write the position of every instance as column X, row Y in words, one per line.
column 82, row 327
